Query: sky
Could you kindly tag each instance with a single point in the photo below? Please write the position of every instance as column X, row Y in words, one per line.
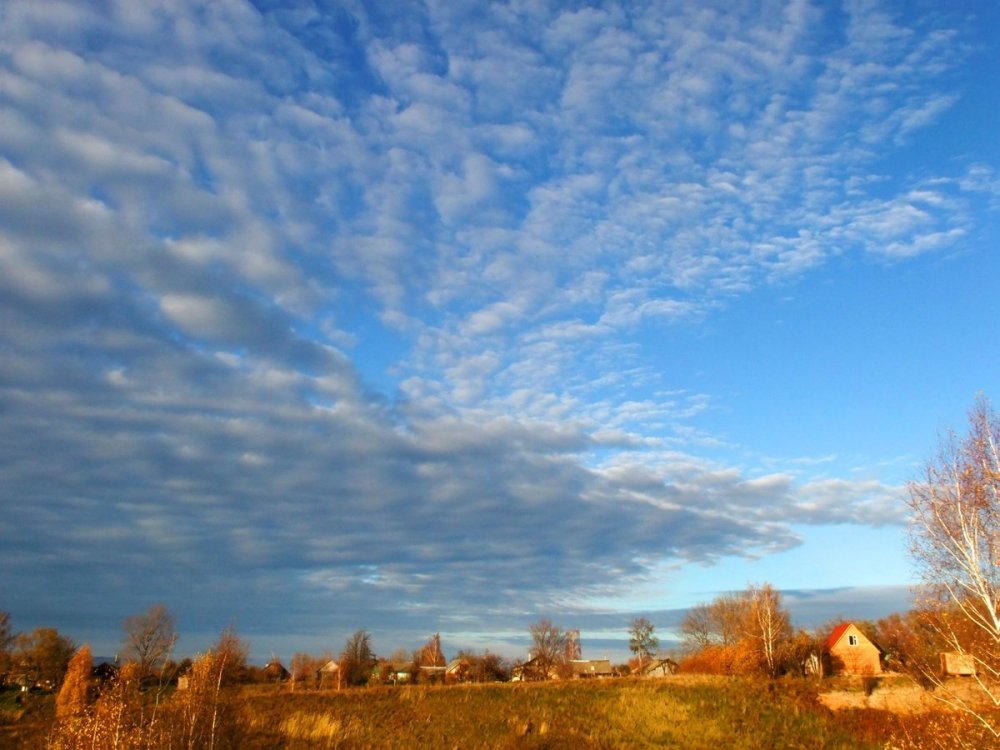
column 450, row 316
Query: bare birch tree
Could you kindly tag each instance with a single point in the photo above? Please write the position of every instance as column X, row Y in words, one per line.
column 767, row 623
column 955, row 541
column 432, row 655
column 149, row 637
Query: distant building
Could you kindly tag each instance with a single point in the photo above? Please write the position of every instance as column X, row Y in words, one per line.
column 274, row 671
column 660, row 667
column 590, row 668
column 458, row 670
column 848, row 651
column 398, row 672
column 105, row 669
column 954, row 664
column 328, row 675
column 534, row 669
column 432, row 674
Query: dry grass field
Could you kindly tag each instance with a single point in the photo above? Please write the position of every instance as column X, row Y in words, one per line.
column 682, row 712
column 696, row 712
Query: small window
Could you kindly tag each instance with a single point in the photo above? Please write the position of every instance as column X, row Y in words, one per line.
column 852, row 640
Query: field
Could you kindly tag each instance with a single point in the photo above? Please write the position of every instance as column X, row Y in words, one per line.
column 690, row 712
column 687, row 711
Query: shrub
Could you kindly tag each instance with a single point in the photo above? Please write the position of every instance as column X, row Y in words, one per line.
column 77, row 689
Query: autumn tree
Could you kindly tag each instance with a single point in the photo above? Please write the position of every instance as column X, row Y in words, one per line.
column 357, row 658
column 485, row 666
column 910, row 643
column 118, row 719
column 77, row 688
column 431, row 654
column 739, row 633
column 721, row 622
column 231, row 653
column 641, row 640
column 149, row 637
column 205, row 715
column 799, row 654
column 955, row 542
column 42, row 656
column 303, row 669
column 548, row 648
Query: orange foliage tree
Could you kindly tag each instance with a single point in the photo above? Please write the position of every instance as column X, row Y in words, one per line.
column 78, row 686
column 743, row 633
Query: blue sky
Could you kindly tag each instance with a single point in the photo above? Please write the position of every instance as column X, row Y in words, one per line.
column 445, row 317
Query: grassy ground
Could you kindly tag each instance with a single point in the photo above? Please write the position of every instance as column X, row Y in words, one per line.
column 25, row 718
column 692, row 713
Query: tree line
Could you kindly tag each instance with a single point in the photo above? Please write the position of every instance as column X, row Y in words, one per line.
column 41, row 659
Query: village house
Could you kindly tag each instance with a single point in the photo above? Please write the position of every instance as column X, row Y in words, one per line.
column 105, row 670
column 458, row 670
column 432, row 674
column 274, row 671
column 529, row 670
column 659, row 667
column 575, row 669
column 396, row 673
column 848, row 651
column 591, row 668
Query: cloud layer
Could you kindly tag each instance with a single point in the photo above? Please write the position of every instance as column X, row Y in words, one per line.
column 342, row 311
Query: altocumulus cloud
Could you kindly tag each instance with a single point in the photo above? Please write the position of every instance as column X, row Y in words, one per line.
column 224, row 227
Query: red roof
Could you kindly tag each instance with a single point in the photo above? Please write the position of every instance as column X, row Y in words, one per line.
column 838, row 631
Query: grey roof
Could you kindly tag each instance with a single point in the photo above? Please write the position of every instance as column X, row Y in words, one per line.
column 591, row 667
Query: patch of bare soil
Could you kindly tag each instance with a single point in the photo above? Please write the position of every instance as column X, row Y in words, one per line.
column 893, row 693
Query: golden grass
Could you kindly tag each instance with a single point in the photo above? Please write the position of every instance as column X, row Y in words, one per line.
column 690, row 713
column 314, row 727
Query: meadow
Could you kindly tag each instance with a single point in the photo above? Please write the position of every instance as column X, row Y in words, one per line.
column 691, row 711
column 695, row 712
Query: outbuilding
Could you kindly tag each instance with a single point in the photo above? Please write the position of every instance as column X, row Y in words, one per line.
column 954, row 664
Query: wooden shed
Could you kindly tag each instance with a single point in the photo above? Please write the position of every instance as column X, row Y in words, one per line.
column 954, row 664
column 329, row 675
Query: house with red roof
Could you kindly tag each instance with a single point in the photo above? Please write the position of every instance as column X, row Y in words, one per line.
column 848, row 651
